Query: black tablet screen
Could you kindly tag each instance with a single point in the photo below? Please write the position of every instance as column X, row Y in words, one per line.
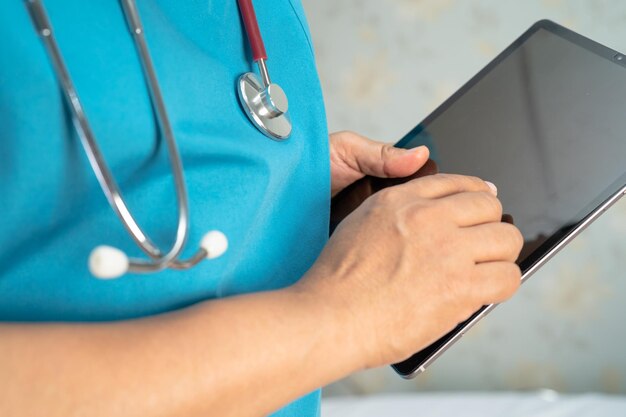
column 547, row 125
column 545, row 122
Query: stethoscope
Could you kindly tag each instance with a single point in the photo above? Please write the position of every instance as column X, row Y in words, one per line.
column 264, row 102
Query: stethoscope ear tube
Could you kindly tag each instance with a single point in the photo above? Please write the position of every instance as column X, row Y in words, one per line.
column 39, row 17
column 264, row 102
column 107, row 262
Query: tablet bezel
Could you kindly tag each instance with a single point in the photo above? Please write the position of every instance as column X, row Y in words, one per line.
column 422, row 359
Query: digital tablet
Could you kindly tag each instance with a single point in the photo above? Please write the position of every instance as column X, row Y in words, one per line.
column 546, row 122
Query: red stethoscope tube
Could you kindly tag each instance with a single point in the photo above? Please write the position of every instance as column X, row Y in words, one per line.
column 252, row 29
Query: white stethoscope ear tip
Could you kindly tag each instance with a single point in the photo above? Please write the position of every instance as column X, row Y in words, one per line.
column 107, row 262
column 215, row 243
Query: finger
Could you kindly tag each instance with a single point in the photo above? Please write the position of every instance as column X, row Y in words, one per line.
column 380, row 159
column 495, row 242
column 403, row 163
column 473, row 208
column 442, row 185
column 495, row 282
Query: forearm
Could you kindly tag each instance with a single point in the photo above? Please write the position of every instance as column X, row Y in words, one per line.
column 243, row 356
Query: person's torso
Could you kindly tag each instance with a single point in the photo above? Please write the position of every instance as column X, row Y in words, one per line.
column 270, row 198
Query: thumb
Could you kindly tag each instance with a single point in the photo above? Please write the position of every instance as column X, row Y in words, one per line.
column 384, row 160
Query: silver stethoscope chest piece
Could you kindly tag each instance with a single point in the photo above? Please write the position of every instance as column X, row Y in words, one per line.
column 264, row 102
column 266, row 106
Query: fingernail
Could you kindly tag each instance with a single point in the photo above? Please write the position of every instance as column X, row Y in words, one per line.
column 417, row 150
column 493, row 187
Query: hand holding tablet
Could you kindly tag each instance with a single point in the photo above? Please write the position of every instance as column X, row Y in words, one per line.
column 545, row 121
column 432, row 247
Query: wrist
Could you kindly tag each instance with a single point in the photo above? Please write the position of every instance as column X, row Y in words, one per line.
column 340, row 327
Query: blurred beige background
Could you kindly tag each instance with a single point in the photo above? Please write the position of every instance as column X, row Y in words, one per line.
column 384, row 65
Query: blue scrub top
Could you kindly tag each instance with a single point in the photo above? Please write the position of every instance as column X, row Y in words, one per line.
column 270, row 198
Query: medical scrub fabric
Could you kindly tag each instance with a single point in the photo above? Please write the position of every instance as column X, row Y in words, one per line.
column 270, row 198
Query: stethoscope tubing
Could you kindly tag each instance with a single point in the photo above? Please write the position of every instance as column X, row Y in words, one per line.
column 110, row 188
column 265, row 104
column 251, row 24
